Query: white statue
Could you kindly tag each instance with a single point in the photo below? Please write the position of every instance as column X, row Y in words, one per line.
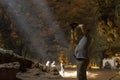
column 48, row 63
column 53, row 64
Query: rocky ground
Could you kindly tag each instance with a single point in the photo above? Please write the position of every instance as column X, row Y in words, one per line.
column 102, row 74
column 9, row 70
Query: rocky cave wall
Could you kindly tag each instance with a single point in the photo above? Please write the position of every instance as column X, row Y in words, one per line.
column 66, row 12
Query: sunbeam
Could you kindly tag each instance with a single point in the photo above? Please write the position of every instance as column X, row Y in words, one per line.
column 27, row 20
column 47, row 16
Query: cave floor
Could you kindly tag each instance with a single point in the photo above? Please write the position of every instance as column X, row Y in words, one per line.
column 101, row 74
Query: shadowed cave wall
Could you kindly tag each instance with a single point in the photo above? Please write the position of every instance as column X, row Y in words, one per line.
column 65, row 13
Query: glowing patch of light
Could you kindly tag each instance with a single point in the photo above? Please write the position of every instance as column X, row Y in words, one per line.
column 68, row 74
column 70, row 66
column 95, row 67
column 92, row 75
column 73, row 74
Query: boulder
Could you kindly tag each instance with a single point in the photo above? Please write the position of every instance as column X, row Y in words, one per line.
column 8, row 70
column 7, row 56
